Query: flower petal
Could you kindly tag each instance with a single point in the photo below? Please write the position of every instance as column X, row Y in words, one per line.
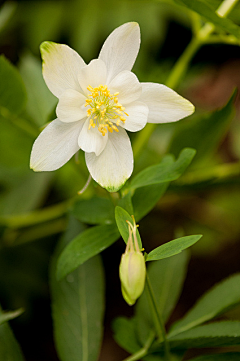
column 93, row 74
column 165, row 105
column 91, row 140
column 137, row 116
column 71, row 106
column 55, row 146
column 120, row 49
column 128, row 86
column 114, row 165
column 61, row 66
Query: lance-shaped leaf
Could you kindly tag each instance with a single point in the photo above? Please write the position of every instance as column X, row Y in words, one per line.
column 205, row 133
column 208, row 13
column 225, row 333
column 12, row 90
column 94, row 211
column 173, row 247
column 166, row 277
column 151, row 195
column 9, row 348
column 84, row 246
column 220, row 298
column 78, row 306
column 121, row 217
column 165, row 171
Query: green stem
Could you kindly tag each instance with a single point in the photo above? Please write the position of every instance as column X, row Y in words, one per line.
column 159, row 322
column 143, row 351
column 180, row 68
column 36, row 217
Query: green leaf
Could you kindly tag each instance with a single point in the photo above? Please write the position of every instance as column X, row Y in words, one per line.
column 94, row 211
column 208, row 13
column 205, row 133
column 78, row 306
column 225, row 333
column 151, row 195
column 229, row 356
column 9, row 348
column 126, row 203
column 41, row 101
column 125, row 334
column 221, row 297
column 165, row 171
column 12, row 90
column 6, row 316
column 86, row 245
column 173, row 247
column 121, row 217
column 166, row 277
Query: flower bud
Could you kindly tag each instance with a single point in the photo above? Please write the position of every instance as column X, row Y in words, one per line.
column 132, row 273
column 132, row 270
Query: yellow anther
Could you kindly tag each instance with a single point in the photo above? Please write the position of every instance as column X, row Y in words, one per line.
column 126, row 114
column 102, row 108
column 115, row 128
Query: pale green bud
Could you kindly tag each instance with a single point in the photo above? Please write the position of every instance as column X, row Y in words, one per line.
column 132, row 273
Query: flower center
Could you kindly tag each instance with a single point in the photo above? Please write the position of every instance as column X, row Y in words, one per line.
column 104, row 109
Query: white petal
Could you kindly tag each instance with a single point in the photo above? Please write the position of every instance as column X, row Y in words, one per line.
column 55, row 146
column 137, row 116
column 91, row 140
column 165, row 105
column 71, row 106
column 61, row 66
column 128, row 86
column 114, row 165
column 93, row 74
column 120, row 49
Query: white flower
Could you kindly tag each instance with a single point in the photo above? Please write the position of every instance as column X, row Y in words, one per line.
column 98, row 102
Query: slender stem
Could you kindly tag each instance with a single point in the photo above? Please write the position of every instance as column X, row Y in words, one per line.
column 36, row 217
column 159, row 322
column 181, row 66
column 143, row 351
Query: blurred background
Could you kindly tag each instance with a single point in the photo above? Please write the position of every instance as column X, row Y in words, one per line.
column 205, row 202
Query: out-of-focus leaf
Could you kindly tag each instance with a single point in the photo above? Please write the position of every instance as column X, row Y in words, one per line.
column 41, row 21
column 125, row 334
column 165, row 171
column 172, row 248
column 12, row 90
column 208, row 13
column 94, row 211
column 26, row 194
column 221, row 297
column 86, row 245
column 205, row 133
column 78, row 306
column 166, row 277
column 126, row 203
column 151, row 195
column 40, row 101
column 9, row 315
column 9, row 348
column 121, row 217
column 225, row 333
column 229, row 356
column 6, row 13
